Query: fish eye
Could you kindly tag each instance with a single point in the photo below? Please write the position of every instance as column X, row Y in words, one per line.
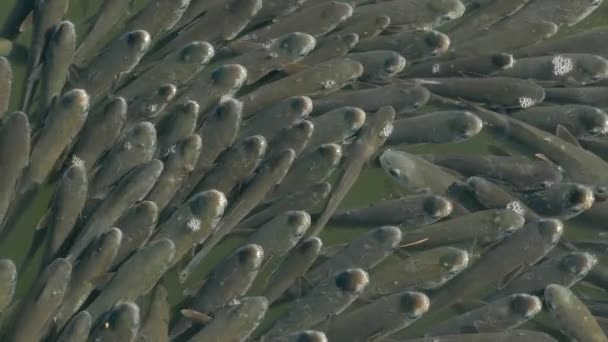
column 394, row 172
column 446, row 18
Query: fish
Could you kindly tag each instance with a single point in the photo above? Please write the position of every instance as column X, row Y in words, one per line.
column 380, row 318
column 370, row 138
column 176, row 127
column 234, row 322
column 587, row 41
column 15, row 147
column 46, row 14
column 109, row 13
column 158, row 17
column 364, row 252
column 222, row 21
column 8, row 283
column 93, row 264
column 219, row 84
column 135, row 148
column 414, row 15
column 517, row 172
column 135, row 278
column 279, row 235
column 62, row 124
column 295, row 264
column 235, row 165
column 483, row 227
column 65, row 209
column 136, row 226
column 560, row 69
column 367, row 25
column 403, row 98
column 295, row 137
column 39, row 304
column 505, row 37
column 230, row 279
column 592, row 96
column 326, row 299
column 379, row 65
column 274, row 9
column 596, row 145
column 305, row 336
column 334, row 46
column 493, row 196
column 441, row 127
column 424, row 270
column 192, row 223
column 415, row 46
column 155, row 322
column 177, row 68
column 151, row 106
column 505, row 336
column 56, row 60
column 319, row 79
column 99, row 133
column 533, row 241
column 130, row 189
column 77, row 330
column 414, row 210
column 311, row 168
column 196, row 9
column 284, row 113
column 580, row 120
column 120, row 323
column 572, row 316
column 179, row 164
column 303, row 200
column 563, row 201
column 562, row 13
column 119, row 57
column 269, row 173
column 488, row 64
column 565, row 270
column 6, row 83
column 501, row 92
column 264, row 58
column 335, row 126
column 484, row 17
column 219, row 131
column 326, row 17
column 502, row 314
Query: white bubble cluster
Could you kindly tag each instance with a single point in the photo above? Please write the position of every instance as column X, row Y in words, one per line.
column 128, row 146
column 328, row 84
column 435, row 68
column 525, row 102
column 152, row 108
column 516, row 207
column 77, row 161
column 193, row 224
column 562, row 65
column 387, row 130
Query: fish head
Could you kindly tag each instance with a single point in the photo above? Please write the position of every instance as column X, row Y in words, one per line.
column 142, row 134
column 254, row 145
column 417, row 96
column 578, row 263
column 196, row 52
column 230, row 76
column 122, row 320
column 355, row 117
column 507, row 221
column 228, row 110
column 578, row 198
column 349, row 39
column 310, row 336
column 554, row 294
column 525, row 305
column 393, row 64
column 447, row 10
column 250, row 256
column 352, row 280
column 594, row 121
column 300, row 220
column 208, row 205
column 310, row 246
column 437, row 207
column 301, row 105
column 550, row 230
column 8, row 271
column 138, row 41
column 387, row 236
column 594, row 68
column 398, row 165
column 503, row 61
column 78, row 99
column 337, row 11
column 454, row 261
column 466, row 125
column 437, row 42
column 295, row 44
column 414, row 304
column 331, row 153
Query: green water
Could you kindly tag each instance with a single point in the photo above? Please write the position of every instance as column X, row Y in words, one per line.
column 373, row 184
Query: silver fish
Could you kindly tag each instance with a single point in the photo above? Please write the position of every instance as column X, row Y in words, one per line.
column 563, row 201
column 151, row 105
column 566, row 13
column 370, row 138
column 380, row 318
column 580, row 120
column 120, row 323
column 279, row 235
column 176, row 127
column 100, row 132
column 296, row 137
column 136, row 226
column 57, row 59
column 414, row 46
column 367, row 25
column 592, row 96
column 282, row 114
column 492, row 196
column 482, row 64
column 379, row 65
column 6, row 83
column 335, row 126
column 436, row 128
column 77, row 330
column 136, row 277
column 506, row 336
column 155, row 323
column 157, row 17
column 588, row 41
column 334, row 46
